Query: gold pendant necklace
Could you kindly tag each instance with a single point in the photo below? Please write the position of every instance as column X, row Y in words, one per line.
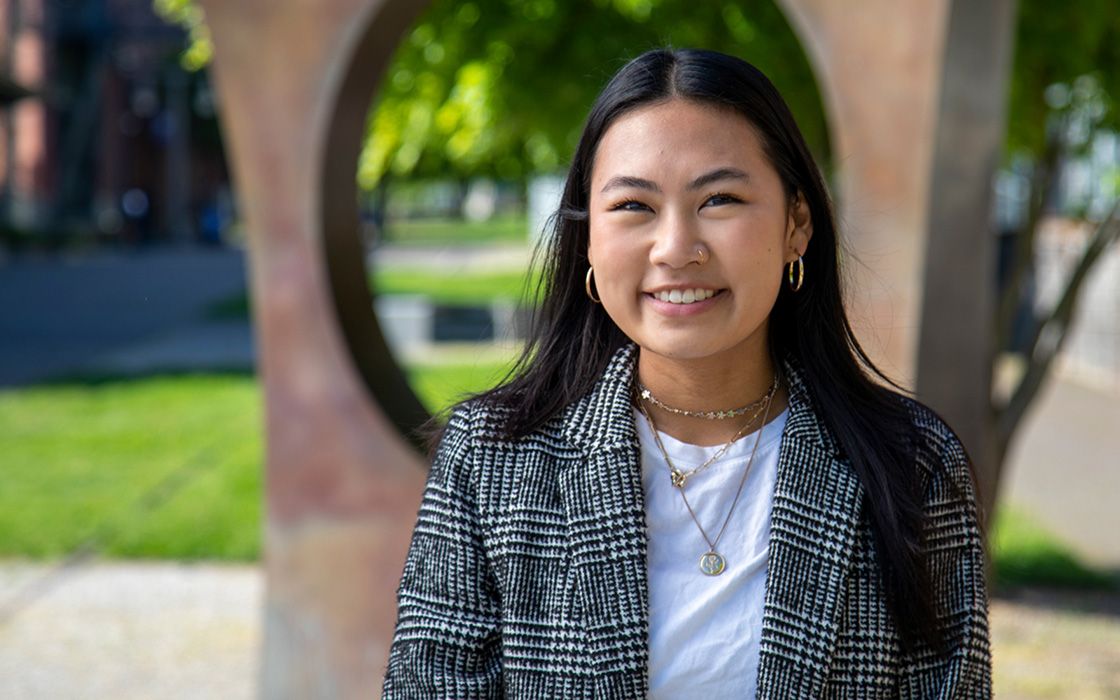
column 712, row 563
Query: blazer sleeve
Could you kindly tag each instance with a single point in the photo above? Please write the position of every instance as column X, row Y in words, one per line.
column 447, row 640
column 956, row 561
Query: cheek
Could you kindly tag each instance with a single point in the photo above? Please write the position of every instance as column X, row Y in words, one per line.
column 618, row 269
column 609, row 246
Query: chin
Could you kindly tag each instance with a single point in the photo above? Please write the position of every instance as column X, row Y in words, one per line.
column 682, row 350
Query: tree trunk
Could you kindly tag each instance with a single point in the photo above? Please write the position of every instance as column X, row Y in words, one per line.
column 954, row 347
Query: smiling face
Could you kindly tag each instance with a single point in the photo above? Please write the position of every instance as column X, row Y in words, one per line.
column 690, row 228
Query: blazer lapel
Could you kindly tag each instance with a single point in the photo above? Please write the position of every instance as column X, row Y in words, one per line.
column 602, row 499
column 817, row 503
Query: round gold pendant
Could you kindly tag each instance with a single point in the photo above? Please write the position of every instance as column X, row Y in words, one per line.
column 712, row 564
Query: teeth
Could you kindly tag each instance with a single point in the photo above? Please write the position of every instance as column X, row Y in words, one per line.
column 686, row 296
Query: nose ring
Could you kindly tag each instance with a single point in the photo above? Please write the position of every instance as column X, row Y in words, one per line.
column 703, row 255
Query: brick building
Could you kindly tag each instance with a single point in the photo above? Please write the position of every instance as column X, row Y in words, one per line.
column 104, row 136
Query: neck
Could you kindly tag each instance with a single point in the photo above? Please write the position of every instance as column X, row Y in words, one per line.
column 707, row 385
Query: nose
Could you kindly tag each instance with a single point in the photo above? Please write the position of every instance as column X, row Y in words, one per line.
column 677, row 241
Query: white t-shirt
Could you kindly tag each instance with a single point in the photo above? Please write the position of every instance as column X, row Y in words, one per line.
column 704, row 630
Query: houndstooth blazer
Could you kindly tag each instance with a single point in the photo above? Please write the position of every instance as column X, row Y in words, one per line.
column 526, row 576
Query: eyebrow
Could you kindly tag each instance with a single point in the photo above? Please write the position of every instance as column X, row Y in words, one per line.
column 624, row 181
column 717, row 175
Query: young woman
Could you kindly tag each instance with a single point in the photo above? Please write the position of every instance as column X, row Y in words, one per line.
column 693, row 486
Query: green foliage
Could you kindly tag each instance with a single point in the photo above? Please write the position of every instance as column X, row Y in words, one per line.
column 190, row 16
column 1024, row 553
column 501, row 87
column 1056, row 43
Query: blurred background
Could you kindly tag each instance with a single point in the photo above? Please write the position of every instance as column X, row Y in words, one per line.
column 130, row 416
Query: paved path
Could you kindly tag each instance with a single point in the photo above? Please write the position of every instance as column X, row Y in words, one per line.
column 129, row 632
column 192, row 632
column 63, row 316
column 1064, row 468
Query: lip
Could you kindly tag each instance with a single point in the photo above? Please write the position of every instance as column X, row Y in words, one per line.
column 667, row 308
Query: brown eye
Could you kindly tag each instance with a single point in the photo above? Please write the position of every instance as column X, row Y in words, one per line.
column 719, row 199
column 630, row 205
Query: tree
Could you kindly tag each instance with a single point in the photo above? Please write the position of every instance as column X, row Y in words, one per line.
column 1056, row 43
column 1079, row 111
column 966, row 335
column 501, row 87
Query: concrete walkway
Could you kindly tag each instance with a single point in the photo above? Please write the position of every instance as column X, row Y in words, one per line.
column 1064, row 467
column 70, row 315
column 113, row 631
column 129, row 632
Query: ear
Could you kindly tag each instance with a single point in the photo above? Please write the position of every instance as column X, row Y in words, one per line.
column 799, row 229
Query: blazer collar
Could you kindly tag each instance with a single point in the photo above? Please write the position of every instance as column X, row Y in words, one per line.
column 603, row 419
column 813, row 529
column 601, row 494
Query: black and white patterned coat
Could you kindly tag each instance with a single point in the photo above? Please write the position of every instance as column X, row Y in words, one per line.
column 527, row 572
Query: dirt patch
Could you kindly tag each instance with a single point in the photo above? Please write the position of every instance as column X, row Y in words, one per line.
column 1056, row 645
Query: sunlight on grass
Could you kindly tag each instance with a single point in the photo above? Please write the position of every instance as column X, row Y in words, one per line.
column 1024, row 553
column 459, row 289
column 159, row 467
column 513, row 229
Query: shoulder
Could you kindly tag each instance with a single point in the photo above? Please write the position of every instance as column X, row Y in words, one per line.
column 481, row 422
column 944, row 467
column 475, row 454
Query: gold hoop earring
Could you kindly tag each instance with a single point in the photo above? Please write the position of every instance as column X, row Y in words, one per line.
column 796, row 285
column 587, row 285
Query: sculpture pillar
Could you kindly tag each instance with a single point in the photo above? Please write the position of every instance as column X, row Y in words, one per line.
column 342, row 485
column 878, row 63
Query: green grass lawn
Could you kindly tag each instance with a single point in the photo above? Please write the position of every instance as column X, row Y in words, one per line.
column 460, row 289
column 513, row 229
column 170, row 467
column 166, row 466
column 463, row 289
column 157, row 467
column 1026, row 554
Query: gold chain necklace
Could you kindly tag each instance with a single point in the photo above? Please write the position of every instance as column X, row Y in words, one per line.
column 644, row 393
column 712, row 563
column 679, row 477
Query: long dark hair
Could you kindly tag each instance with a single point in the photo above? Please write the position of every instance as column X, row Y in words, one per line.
column 572, row 339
